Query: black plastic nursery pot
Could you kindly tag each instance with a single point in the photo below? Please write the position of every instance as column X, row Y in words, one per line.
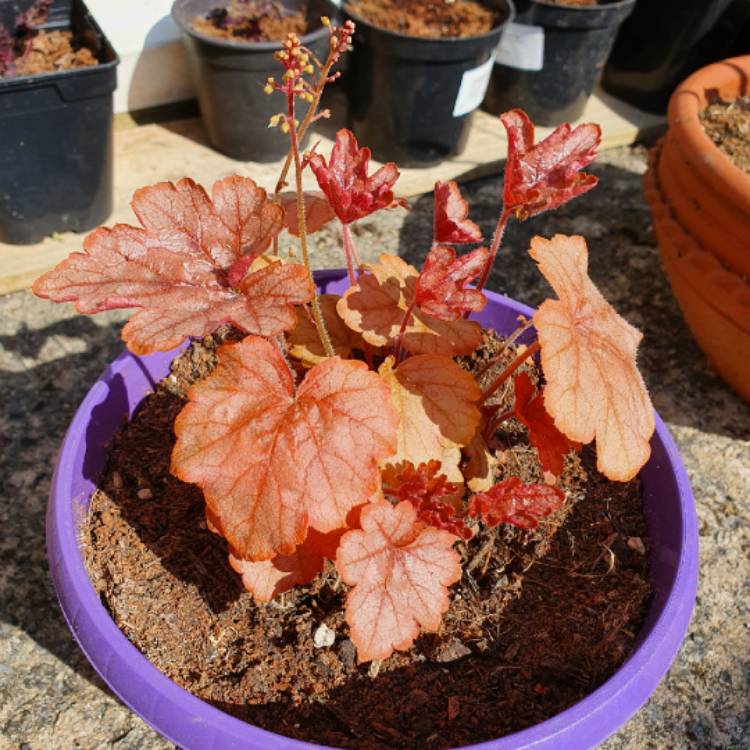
column 56, row 136
column 410, row 98
column 661, row 43
column 229, row 78
column 551, row 56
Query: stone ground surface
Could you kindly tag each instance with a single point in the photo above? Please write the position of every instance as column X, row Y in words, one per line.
column 51, row 698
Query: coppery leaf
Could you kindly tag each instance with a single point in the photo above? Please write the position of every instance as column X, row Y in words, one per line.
column 529, row 409
column 451, row 223
column 352, row 193
column 593, row 387
column 441, row 287
column 436, row 402
column 271, row 461
column 542, row 176
column 514, row 502
column 376, row 305
column 400, row 572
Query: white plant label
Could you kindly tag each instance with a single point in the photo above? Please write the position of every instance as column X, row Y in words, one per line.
column 521, row 47
column 473, row 88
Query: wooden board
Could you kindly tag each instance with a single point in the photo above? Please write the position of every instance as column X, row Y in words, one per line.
column 167, row 151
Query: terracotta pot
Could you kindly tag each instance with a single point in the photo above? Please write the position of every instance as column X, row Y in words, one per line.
column 714, row 301
column 710, row 196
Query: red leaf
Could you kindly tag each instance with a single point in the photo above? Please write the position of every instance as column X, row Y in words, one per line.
column 542, row 176
column 271, row 461
column 344, row 180
column 269, row 578
column 441, row 287
column 451, row 223
column 318, row 211
column 400, row 572
column 430, row 492
column 552, row 445
column 187, row 268
column 517, row 503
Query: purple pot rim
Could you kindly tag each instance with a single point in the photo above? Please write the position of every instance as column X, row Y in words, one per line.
column 601, row 712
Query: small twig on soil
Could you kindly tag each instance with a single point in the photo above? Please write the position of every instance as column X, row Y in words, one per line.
column 483, row 553
column 612, row 559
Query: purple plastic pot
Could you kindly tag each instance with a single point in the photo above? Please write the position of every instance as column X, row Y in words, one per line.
column 195, row 725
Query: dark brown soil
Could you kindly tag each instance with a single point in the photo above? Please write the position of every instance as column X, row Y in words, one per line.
column 254, row 21
column 50, row 51
column 429, row 19
column 728, row 126
column 538, row 621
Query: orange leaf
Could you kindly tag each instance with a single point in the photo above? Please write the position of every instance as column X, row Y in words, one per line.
column 400, row 572
column 375, row 307
column 318, row 211
column 270, row 461
column 479, row 471
column 304, row 341
column 436, row 402
column 269, row 578
column 186, row 268
column 593, row 387
column 451, row 223
column 551, row 444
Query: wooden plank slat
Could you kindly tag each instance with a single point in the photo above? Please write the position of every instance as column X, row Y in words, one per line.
column 167, row 151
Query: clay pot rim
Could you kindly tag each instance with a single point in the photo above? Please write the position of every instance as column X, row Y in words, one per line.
column 718, row 287
column 683, row 116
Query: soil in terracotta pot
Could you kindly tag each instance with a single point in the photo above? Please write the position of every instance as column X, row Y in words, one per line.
column 728, row 126
column 253, row 21
column 539, row 620
column 429, row 19
column 47, row 52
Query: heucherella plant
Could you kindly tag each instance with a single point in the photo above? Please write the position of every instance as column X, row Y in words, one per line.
column 341, row 433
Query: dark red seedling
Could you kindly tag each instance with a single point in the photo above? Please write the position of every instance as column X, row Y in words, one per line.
column 451, row 224
column 516, row 503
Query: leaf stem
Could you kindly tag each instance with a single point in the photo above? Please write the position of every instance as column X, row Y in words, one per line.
column 497, row 238
column 402, row 330
column 315, row 303
column 508, row 342
column 350, row 253
column 509, row 370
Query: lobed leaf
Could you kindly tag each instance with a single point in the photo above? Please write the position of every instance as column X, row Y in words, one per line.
column 593, row 387
column 352, row 193
column 272, row 462
column 436, row 404
column 304, row 341
column 400, row 572
column 266, row 579
column 318, row 211
column 441, row 287
column 377, row 304
column 186, row 268
column 451, row 224
column 514, row 502
column 438, row 502
column 529, row 409
column 543, row 176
